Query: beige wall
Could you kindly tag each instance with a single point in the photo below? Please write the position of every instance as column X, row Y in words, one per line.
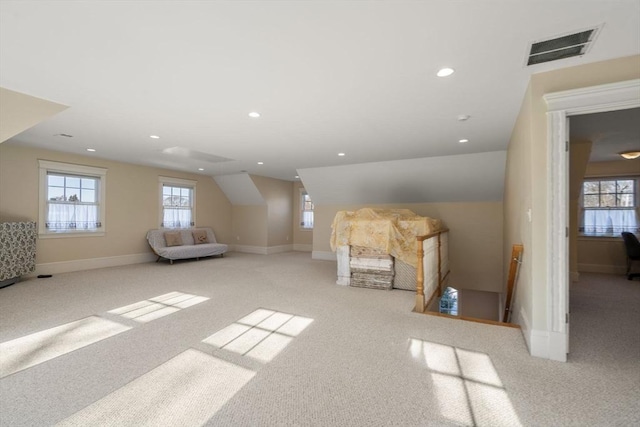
column 529, row 186
column 517, row 207
column 301, row 238
column 250, row 225
column 132, row 204
column 616, row 168
column 278, row 196
column 475, row 246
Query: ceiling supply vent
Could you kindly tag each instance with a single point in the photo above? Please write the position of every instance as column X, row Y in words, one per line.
column 567, row 46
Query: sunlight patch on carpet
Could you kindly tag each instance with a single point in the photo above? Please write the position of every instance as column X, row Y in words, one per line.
column 31, row 350
column 156, row 307
column 466, row 384
column 185, row 391
column 261, row 335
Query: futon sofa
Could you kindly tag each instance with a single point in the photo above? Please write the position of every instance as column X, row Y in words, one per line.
column 185, row 244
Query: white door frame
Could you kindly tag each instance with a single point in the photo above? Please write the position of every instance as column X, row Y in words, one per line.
column 560, row 106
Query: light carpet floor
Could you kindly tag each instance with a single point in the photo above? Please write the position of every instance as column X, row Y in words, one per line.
column 355, row 357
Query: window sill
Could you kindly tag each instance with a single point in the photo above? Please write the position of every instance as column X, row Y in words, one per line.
column 306, row 229
column 71, row 234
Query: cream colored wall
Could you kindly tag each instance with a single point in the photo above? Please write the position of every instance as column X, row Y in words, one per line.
column 132, row 204
column 302, row 238
column 517, row 205
column 530, row 136
column 475, row 245
column 615, row 168
column 277, row 194
column 579, row 154
column 601, row 255
column 250, row 226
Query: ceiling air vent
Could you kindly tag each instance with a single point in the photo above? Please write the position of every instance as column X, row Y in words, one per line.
column 576, row 44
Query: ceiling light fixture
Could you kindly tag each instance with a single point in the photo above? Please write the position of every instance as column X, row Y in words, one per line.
column 154, row 136
column 91, row 149
column 462, row 141
column 254, row 115
column 200, row 169
column 261, row 163
column 341, row 154
column 463, row 117
column 445, row 72
column 297, row 176
column 630, row 155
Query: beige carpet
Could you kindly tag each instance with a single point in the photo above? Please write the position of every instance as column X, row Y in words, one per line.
column 352, row 357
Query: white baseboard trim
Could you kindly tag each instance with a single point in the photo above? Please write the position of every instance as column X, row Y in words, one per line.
column 262, row 250
column 602, row 268
column 524, row 327
column 302, row 248
column 247, row 249
column 323, row 255
column 557, row 346
column 574, row 276
column 92, row 263
column 539, row 343
column 543, row 344
column 279, row 249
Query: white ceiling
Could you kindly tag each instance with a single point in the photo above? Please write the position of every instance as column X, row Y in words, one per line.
column 327, row 76
column 611, row 133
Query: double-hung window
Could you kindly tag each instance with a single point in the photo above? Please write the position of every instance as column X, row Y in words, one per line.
column 177, row 202
column 609, row 206
column 72, row 199
column 306, row 211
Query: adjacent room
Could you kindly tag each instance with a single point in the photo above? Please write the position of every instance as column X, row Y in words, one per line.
column 319, row 213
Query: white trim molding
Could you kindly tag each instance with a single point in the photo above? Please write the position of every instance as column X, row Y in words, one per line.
column 560, row 106
column 279, row 249
column 302, row 247
column 46, row 166
column 248, row 249
column 92, row 263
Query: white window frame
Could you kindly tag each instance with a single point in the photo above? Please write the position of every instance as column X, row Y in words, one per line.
column 301, row 211
column 176, row 182
column 100, row 174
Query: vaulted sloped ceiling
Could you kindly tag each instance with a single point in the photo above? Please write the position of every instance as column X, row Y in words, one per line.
column 19, row 112
column 460, row 178
column 240, row 189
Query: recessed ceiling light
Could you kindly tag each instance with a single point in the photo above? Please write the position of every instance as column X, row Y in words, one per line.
column 261, row 163
column 341, row 154
column 200, row 169
column 91, row 149
column 154, row 136
column 297, row 176
column 445, row 72
column 254, row 114
column 463, row 117
column 462, row 141
column 630, row 155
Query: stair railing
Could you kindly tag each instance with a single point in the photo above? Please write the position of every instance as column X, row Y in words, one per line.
column 435, row 265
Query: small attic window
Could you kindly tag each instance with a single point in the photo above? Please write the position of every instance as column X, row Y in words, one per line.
column 567, row 46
